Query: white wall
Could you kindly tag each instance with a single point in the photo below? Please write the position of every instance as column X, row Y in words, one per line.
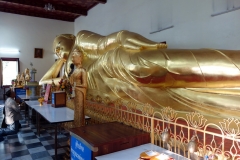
column 27, row 33
column 193, row 25
column 193, row 28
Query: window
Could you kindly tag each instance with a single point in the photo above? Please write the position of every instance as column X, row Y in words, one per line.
column 9, row 70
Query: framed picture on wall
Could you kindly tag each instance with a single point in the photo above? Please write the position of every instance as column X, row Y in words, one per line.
column 38, row 53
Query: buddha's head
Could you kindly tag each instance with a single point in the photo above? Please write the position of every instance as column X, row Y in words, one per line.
column 18, row 76
column 26, row 71
column 77, row 56
column 63, row 44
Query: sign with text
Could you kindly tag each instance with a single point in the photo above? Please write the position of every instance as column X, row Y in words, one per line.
column 20, row 91
column 79, row 151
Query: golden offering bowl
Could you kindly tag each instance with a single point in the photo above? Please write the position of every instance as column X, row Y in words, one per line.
column 153, row 155
column 148, row 156
column 41, row 100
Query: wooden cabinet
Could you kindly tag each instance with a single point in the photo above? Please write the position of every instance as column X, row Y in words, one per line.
column 59, row 99
column 109, row 137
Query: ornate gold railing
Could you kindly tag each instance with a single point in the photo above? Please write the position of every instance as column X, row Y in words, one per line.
column 190, row 136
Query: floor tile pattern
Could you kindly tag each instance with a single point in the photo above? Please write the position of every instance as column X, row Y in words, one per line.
column 27, row 145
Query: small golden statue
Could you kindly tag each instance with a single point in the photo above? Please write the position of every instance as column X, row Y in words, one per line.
column 78, row 81
column 18, row 80
column 22, row 79
column 15, row 83
column 27, row 75
column 41, row 100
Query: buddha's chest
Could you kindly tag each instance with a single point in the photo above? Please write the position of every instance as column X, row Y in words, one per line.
column 77, row 73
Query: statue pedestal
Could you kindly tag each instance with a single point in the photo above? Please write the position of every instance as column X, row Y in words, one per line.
column 32, row 89
column 32, row 86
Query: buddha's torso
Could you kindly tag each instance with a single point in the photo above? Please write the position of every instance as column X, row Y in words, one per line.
column 77, row 75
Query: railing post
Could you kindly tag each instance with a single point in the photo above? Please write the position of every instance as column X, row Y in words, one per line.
column 152, row 130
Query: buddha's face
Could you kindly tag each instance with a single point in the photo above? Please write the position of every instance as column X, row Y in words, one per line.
column 77, row 57
column 62, row 51
column 27, row 71
column 62, row 46
column 59, row 50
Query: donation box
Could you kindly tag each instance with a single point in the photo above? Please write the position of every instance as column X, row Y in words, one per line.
column 79, row 150
column 59, row 99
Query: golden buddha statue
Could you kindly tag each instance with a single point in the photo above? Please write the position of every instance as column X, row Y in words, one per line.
column 62, row 46
column 27, row 75
column 201, row 80
column 22, row 79
column 128, row 66
column 78, row 81
column 18, row 80
column 94, row 46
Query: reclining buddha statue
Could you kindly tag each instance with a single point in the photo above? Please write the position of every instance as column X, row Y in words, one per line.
column 128, row 66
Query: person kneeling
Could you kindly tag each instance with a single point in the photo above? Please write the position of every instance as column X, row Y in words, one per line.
column 12, row 116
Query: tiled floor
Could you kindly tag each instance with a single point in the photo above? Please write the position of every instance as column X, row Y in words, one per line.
column 27, row 145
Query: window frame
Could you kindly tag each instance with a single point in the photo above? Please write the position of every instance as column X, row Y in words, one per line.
column 9, row 59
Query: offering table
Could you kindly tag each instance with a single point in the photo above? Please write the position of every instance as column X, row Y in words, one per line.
column 134, row 153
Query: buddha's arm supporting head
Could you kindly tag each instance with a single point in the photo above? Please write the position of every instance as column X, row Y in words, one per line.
column 52, row 73
column 62, row 46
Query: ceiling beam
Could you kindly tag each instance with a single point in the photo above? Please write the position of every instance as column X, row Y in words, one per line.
column 68, row 19
column 101, row 1
column 41, row 4
column 75, row 10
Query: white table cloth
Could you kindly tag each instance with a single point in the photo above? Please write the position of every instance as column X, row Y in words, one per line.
column 134, row 153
